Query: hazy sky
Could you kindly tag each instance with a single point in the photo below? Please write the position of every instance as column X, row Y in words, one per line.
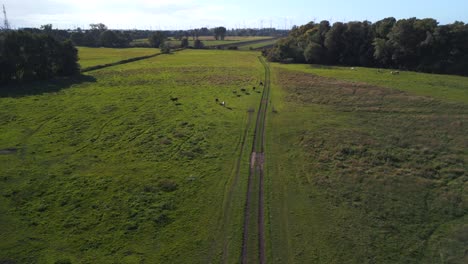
column 184, row 14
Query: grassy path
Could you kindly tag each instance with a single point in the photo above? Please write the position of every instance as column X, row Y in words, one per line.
column 228, row 208
column 253, row 244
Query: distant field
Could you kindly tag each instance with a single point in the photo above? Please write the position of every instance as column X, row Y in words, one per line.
column 360, row 173
column 210, row 41
column 235, row 38
column 446, row 87
column 98, row 56
column 205, row 42
column 259, row 45
column 109, row 169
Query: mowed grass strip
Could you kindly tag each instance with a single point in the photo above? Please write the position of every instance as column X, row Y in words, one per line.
column 112, row 170
column 445, row 87
column 89, row 57
column 259, row 45
column 359, row 173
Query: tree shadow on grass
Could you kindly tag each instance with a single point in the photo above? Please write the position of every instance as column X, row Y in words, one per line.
column 42, row 87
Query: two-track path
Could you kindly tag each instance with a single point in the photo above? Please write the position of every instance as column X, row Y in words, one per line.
column 253, row 242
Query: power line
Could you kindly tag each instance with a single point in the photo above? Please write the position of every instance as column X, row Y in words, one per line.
column 6, row 24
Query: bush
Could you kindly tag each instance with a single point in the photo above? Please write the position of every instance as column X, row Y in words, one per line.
column 63, row 261
column 165, row 48
column 198, row 44
column 156, row 39
column 184, row 43
column 168, row 185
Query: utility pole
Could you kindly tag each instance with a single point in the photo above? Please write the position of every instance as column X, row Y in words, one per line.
column 6, row 24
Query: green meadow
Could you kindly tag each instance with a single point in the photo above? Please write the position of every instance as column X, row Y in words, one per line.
column 114, row 169
column 209, row 41
column 140, row 162
column 99, row 56
column 259, row 45
column 367, row 167
column 444, row 87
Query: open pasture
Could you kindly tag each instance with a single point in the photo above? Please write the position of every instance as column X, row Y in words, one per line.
column 210, row 41
column 133, row 164
column 367, row 167
column 445, row 87
column 89, row 57
column 258, row 45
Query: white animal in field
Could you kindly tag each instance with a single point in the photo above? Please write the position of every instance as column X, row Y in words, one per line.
column 352, row 68
column 223, row 103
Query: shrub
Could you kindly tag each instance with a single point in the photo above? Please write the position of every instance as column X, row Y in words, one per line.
column 198, row 44
column 167, row 185
column 184, row 43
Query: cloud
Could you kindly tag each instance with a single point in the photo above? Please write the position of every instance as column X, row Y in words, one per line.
column 164, row 14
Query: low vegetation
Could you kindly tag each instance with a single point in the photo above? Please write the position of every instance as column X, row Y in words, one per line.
column 359, row 173
column 130, row 165
column 258, row 45
column 89, row 57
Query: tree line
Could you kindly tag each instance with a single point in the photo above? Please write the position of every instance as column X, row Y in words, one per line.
column 100, row 36
column 409, row 44
column 26, row 56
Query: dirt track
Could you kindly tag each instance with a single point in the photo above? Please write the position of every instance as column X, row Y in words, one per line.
column 254, row 232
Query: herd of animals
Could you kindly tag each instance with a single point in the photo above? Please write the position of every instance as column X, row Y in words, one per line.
column 222, row 103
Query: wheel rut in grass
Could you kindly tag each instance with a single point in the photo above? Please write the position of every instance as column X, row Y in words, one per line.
column 253, row 241
column 228, row 210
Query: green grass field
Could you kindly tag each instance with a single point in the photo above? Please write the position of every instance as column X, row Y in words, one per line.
column 207, row 43
column 444, row 87
column 111, row 170
column 99, row 56
column 361, row 166
column 211, row 42
column 359, row 173
column 259, row 45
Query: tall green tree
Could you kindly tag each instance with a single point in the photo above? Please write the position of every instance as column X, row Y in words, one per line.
column 220, row 33
column 156, row 39
column 335, row 43
column 184, row 43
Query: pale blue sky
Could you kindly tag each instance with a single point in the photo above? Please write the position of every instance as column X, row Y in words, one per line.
column 184, row 14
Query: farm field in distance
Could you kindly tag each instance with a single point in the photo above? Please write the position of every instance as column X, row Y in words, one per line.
column 360, row 173
column 259, row 45
column 209, row 41
column 111, row 169
column 89, row 57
